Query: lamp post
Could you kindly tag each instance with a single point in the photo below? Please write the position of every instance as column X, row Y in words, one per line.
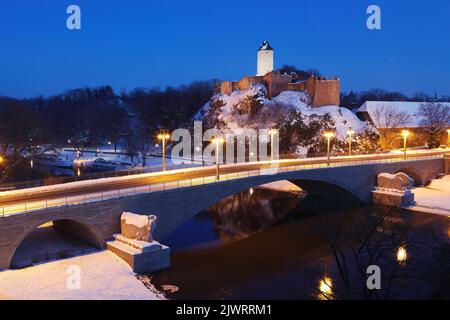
column 164, row 137
column 329, row 136
column 448, row 138
column 272, row 133
column 405, row 135
column 350, row 133
column 218, row 142
column 2, row 172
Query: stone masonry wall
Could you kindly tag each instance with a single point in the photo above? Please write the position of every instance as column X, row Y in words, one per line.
column 326, row 92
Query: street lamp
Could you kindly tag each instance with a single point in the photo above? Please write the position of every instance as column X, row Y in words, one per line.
column 448, row 138
column 329, row 136
column 272, row 133
column 218, row 142
column 350, row 133
column 405, row 135
column 164, row 137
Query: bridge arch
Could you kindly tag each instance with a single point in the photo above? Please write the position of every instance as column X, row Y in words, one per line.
column 214, row 194
column 75, row 227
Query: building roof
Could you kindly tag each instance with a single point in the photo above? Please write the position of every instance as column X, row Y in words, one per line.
column 379, row 112
column 265, row 46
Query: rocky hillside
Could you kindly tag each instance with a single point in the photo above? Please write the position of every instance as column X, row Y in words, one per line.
column 301, row 126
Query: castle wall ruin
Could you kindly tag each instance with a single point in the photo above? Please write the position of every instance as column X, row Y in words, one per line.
column 323, row 91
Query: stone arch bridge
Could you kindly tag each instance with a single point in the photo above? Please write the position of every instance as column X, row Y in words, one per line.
column 97, row 220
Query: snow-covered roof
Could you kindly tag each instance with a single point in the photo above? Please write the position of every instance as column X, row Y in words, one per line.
column 265, row 46
column 379, row 110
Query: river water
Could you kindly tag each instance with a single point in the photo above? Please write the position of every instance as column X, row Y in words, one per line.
column 264, row 244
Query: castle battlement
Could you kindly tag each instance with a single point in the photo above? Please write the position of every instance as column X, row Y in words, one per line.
column 322, row 90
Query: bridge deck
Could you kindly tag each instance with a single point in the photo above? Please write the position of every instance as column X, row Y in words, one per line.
column 76, row 193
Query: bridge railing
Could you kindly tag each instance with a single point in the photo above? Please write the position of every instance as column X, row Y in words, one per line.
column 33, row 206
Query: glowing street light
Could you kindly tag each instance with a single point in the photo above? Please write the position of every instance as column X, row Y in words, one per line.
column 1, row 159
column 329, row 135
column 272, row 133
column 350, row 133
column 163, row 137
column 405, row 135
column 218, row 142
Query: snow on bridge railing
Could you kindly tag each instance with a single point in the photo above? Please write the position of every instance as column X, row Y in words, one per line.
column 33, row 206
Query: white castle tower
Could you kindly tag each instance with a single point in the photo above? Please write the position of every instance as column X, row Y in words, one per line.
column 265, row 59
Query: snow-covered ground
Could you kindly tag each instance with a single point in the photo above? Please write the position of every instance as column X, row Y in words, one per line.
column 435, row 196
column 282, row 186
column 103, row 276
column 109, row 155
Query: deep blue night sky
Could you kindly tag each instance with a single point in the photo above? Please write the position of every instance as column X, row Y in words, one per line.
column 145, row 43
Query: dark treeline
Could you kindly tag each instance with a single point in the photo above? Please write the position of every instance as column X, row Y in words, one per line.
column 89, row 117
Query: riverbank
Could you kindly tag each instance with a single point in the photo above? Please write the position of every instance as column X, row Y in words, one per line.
column 433, row 198
column 103, row 276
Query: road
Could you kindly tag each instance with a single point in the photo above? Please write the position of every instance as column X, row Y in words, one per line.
column 24, row 200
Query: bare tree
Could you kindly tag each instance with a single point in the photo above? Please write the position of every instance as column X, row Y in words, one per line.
column 435, row 119
column 386, row 119
column 372, row 238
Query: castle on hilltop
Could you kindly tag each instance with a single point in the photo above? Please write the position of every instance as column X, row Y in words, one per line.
column 322, row 90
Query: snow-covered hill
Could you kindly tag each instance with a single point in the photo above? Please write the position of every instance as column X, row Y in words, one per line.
column 287, row 100
column 252, row 109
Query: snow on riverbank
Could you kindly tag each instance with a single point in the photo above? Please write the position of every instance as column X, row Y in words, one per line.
column 282, row 186
column 435, row 196
column 104, row 276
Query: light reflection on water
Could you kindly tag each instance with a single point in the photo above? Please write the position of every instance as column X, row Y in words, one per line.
column 325, row 288
column 234, row 218
column 402, row 255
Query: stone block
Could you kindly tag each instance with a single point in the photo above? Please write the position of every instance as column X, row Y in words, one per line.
column 137, row 227
column 142, row 262
column 399, row 181
column 393, row 199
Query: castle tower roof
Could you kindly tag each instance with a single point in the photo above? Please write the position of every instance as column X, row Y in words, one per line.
column 265, row 46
